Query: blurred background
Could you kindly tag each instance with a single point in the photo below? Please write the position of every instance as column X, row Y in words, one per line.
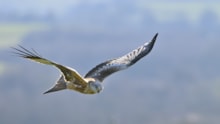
column 177, row 83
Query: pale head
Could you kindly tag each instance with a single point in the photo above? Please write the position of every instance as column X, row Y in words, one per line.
column 94, row 85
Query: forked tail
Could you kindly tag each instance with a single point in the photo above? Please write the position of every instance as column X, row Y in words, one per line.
column 60, row 85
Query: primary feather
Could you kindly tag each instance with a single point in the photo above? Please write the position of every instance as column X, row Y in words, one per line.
column 69, row 73
column 101, row 71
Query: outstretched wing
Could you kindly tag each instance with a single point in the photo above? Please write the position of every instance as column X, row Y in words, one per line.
column 69, row 73
column 101, row 71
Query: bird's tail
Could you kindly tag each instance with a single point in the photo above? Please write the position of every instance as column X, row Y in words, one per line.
column 60, row 85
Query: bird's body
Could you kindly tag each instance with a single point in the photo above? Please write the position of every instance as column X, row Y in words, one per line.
column 91, row 83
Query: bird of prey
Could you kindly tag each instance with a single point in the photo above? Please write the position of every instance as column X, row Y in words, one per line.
column 91, row 82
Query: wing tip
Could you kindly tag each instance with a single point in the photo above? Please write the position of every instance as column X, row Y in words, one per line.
column 25, row 53
column 151, row 43
column 155, row 37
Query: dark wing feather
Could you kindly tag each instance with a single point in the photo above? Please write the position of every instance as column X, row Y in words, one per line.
column 101, row 71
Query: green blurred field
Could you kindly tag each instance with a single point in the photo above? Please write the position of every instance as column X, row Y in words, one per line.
column 11, row 34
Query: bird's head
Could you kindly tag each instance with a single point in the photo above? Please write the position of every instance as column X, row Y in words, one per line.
column 95, row 86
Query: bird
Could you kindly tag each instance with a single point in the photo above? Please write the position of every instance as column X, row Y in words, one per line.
column 91, row 83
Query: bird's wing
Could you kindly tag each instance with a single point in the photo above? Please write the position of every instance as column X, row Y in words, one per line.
column 101, row 71
column 69, row 73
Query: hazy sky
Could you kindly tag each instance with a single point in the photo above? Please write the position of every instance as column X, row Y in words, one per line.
column 163, row 11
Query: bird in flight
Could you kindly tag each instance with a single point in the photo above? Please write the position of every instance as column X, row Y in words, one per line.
column 91, row 82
